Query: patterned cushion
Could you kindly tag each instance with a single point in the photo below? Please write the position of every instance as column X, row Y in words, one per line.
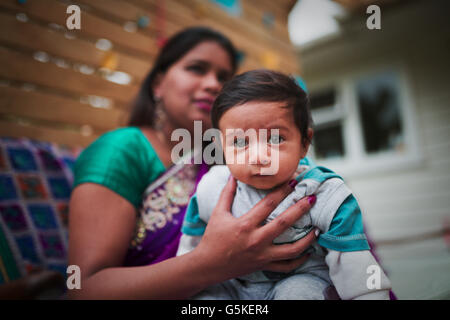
column 35, row 185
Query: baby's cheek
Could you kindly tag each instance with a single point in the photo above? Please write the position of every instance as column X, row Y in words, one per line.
column 237, row 171
column 287, row 165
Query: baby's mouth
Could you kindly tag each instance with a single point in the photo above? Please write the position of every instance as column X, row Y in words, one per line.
column 261, row 175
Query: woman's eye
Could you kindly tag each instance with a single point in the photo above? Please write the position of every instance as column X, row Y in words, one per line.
column 223, row 77
column 275, row 139
column 196, row 69
column 240, row 142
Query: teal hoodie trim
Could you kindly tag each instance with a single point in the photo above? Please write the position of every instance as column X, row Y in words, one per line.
column 192, row 224
column 346, row 232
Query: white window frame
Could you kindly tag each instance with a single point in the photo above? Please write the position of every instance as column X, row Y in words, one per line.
column 330, row 114
column 356, row 162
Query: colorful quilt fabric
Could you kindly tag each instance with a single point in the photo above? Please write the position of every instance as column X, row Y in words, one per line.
column 35, row 185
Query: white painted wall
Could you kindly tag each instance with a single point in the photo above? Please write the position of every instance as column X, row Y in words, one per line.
column 411, row 200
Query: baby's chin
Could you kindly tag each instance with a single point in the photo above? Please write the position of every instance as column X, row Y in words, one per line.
column 262, row 182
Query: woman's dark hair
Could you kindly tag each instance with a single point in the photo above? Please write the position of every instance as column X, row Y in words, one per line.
column 264, row 86
column 143, row 109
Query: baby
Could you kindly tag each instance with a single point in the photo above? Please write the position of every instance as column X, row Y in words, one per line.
column 265, row 126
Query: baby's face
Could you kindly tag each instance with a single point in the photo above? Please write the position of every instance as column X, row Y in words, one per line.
column 254, row 152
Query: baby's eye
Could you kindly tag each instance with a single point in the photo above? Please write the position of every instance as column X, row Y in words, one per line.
column 240, row 142
column 275, row 139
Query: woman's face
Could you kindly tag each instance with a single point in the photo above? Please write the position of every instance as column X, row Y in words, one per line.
column 191, row 84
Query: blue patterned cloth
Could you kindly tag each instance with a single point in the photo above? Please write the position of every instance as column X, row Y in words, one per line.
column 35, row 185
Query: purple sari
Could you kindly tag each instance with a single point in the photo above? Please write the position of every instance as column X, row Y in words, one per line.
column 159, row 221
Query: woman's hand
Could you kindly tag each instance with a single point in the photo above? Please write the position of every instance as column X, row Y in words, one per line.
column 236, row 246
column 102, row 223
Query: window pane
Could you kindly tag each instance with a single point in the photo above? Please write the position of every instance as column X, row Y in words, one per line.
column 328, row 141
column 380, row 113
column 322, row 99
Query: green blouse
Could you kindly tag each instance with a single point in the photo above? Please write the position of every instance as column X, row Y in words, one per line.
column 123, row 160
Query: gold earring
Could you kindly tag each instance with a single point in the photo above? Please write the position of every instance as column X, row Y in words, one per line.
column 160, row 114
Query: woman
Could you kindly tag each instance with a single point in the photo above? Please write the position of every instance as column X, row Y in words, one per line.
column 124, row 255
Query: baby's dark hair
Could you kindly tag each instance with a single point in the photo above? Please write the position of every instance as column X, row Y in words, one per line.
column 265, row 86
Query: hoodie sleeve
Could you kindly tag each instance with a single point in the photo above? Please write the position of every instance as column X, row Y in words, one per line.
column 357, row 276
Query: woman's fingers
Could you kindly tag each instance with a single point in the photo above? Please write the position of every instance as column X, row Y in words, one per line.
column 265, row 206
column 286, row 219
column 292, row 250
column 227, row 195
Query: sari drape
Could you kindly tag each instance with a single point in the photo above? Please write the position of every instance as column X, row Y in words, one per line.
column 160, row 217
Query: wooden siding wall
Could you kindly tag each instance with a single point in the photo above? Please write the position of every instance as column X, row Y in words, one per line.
column 52, row 100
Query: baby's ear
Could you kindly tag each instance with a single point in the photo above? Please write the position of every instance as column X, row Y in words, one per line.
column 310, row 134
column 307, row 142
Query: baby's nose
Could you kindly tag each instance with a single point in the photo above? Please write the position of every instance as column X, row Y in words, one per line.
column 265, row 161
column 259, row 155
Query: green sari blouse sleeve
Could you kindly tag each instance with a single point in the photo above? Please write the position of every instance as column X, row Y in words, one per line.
column 122, row 160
